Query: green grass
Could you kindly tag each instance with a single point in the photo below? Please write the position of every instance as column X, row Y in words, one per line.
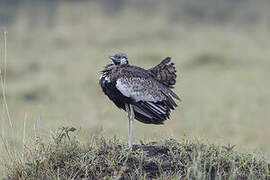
column 65, row 157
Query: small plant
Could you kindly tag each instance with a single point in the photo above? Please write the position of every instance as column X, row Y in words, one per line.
column 62, row 133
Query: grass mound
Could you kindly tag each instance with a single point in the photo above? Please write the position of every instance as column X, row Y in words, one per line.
column 65, row 157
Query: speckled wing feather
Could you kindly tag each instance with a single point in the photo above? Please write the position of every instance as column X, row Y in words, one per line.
column 137, row 83
column 141, row 89
column 165, row 73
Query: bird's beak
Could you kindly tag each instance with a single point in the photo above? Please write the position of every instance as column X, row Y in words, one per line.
column 112, row 58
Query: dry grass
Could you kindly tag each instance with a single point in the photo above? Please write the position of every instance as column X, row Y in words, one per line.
column 65, row 157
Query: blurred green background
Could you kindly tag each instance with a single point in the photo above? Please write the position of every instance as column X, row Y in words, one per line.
column 56, row 49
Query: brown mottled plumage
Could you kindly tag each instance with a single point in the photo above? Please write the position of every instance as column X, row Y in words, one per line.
column 165, row 73
column 145, row 94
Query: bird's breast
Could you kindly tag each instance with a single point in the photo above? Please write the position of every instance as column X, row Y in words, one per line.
column 106, row 80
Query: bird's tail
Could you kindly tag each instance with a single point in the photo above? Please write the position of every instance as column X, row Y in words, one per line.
column 165, row 73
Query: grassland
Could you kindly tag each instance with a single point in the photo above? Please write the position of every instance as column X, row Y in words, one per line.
column 65, row 157
column 221, row 53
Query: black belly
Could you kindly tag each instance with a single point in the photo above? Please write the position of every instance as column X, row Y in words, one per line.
column 109, row 88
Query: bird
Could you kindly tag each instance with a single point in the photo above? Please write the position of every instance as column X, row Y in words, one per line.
column 145, row 94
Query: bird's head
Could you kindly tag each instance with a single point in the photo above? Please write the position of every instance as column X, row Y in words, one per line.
column 119, row 59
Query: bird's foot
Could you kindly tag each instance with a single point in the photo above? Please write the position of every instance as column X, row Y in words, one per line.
column 127, row 148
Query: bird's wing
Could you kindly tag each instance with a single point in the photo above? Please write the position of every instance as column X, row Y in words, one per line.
column 140, row 80
column 152, row 100
column 165, row 72
column 141, row 89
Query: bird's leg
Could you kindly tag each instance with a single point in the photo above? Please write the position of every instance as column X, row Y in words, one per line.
column 130, row 126
column 127, row 110
column 129, row 117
